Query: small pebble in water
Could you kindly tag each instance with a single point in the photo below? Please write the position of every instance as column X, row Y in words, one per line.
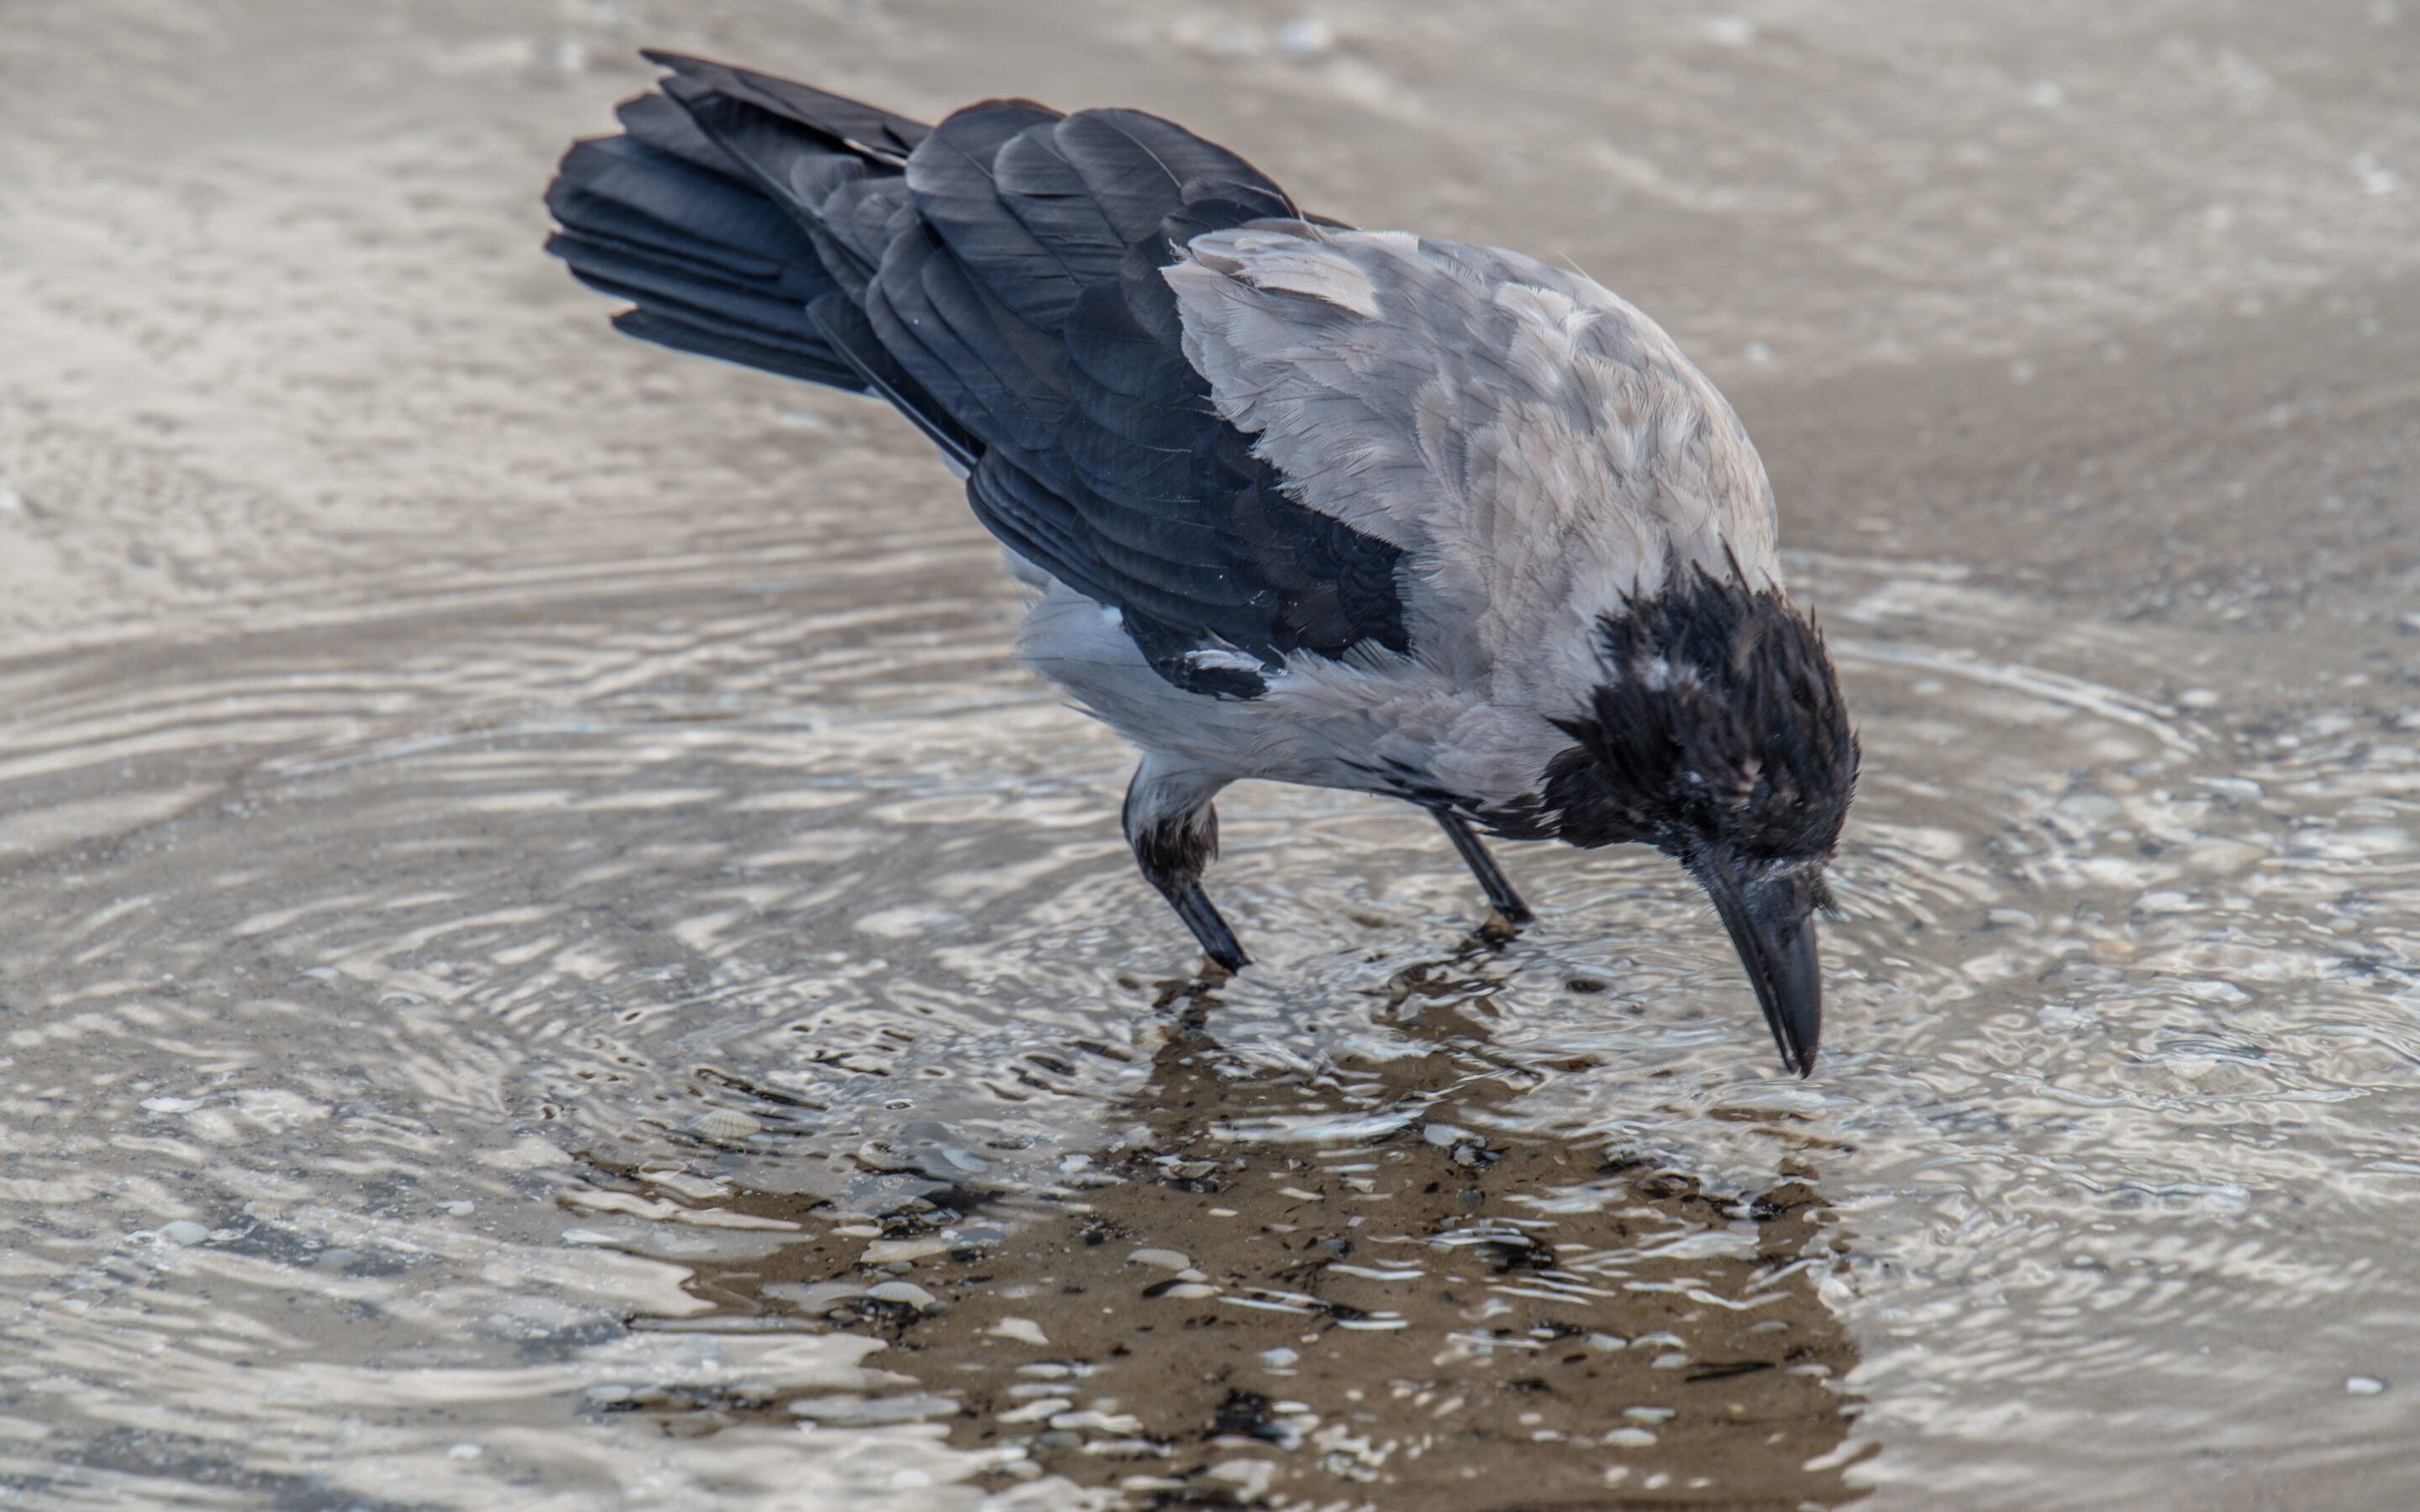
column 891, row 1251
column 1023, row 1330
column 1629, row 1439
column 907, row 1292
column 2363, row 1385
column 816, row 1298
column 1250, row 1477
column 688, row 1184
column 725, row 1124
column 1278, row 1359
column 463, row 1451
column 185, row 1231
column 1166, row 1260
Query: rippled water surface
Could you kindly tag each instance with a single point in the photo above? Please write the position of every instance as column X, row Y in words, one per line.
column 580, row 974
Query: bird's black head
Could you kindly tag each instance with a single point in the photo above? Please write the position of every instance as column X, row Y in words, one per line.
column 1718, row 736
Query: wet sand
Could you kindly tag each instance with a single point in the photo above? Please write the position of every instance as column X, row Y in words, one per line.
column 1622, row 1334
column 552, row 960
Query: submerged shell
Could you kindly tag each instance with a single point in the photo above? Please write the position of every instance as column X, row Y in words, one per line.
column 725, row 1124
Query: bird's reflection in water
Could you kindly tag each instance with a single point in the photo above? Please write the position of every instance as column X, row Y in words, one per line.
column 1346, row 1286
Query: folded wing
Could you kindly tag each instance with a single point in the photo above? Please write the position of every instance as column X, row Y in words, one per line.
column 999, row 278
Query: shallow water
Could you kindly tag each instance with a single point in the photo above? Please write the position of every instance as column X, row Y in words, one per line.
column 511, row 1033
column 656, row 1010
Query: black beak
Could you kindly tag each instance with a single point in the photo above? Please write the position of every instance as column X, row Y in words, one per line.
column 1774, row 930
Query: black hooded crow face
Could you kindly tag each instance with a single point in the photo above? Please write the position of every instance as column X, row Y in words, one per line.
column 1719, row 738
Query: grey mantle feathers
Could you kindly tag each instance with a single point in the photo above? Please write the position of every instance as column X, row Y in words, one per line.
column 1354, row 509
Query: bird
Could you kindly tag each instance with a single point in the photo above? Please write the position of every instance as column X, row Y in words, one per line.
column 1291, row 500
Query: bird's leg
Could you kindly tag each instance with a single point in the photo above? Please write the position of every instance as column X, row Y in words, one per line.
column 1174, row 832
column 1500, row 895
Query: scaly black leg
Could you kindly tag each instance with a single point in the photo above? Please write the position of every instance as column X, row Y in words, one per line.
column 1500, row 895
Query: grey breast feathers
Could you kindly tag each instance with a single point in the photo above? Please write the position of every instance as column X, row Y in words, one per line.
column 1539, row 449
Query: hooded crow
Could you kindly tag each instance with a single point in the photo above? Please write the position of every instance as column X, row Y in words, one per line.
column 1296, row 501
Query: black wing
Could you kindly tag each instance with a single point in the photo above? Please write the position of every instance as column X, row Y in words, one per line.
column 998, row 279
column 1030, row 303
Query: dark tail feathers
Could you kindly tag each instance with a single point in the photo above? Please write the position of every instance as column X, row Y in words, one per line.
column 732, row 205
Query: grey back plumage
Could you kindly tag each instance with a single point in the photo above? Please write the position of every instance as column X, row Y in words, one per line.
column 1539, row 449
